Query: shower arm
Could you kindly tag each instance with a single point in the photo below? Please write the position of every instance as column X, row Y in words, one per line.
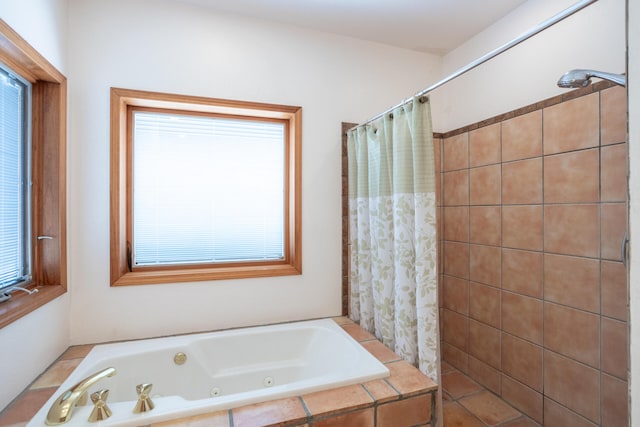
column 532, row 32
column 615, row 78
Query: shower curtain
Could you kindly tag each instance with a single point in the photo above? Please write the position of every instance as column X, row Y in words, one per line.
column 392, row 230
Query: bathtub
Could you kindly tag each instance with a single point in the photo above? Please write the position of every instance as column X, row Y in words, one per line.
column 222, row 370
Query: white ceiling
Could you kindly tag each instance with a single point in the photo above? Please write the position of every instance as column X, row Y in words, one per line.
column 435, row 26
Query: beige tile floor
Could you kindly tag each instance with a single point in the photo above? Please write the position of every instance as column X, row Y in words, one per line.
column 468, row 404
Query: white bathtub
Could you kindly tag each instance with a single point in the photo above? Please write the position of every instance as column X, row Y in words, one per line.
column 236, row 367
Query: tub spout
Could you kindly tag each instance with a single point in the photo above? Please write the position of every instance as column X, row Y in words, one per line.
column 62, row 409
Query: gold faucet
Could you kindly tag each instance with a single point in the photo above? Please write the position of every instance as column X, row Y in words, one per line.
column 61, row 410
column 100, row 409
column 144, row 403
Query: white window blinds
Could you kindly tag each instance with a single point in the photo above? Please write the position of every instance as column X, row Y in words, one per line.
column 207, row 189
column 14, row 181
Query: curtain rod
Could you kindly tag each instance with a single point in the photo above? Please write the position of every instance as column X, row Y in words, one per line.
column 532, row 32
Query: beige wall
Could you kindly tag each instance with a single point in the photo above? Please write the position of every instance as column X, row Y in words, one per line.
column 173, row 47
column 592, row 38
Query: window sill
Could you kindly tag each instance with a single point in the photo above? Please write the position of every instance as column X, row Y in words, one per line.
column 197, row 275
column 22, row 304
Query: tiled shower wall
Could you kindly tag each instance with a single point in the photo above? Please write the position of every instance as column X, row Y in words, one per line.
column 533, row 210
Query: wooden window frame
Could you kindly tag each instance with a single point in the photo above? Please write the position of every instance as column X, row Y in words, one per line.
column 48, row 164
column 122, row 102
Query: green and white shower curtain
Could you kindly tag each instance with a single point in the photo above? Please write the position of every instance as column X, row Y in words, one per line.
column 392, row 228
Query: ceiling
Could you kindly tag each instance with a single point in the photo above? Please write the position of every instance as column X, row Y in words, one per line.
column 434, row 26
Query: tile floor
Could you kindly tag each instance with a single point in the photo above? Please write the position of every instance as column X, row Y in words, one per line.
column 468, row 404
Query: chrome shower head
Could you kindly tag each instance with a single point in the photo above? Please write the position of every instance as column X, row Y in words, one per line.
column 582, row 78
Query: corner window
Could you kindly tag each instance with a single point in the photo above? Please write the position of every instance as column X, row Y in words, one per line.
column 204, row 189
column 15, row 177
column 32, row 178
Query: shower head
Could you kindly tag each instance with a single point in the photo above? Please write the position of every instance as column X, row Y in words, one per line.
column 582, row 78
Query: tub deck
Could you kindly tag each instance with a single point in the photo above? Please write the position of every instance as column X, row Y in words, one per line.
column 405, row 398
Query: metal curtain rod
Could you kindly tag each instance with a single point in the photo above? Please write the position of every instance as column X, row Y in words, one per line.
column 532, row 32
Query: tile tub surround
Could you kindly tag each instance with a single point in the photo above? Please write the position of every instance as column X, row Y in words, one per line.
column 405, row 398
column 533, row 290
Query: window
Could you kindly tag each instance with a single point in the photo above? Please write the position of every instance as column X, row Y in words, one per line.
column 32, row 177
column 203, row 188
column 15, row 177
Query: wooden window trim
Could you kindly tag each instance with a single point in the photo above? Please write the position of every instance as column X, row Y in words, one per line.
column 122, row 100
column 48, row 198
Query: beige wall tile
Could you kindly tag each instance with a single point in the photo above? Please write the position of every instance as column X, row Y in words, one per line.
column 573, row 333
column 614, row 225
column 613, row 173
column 484, row 145
column 572, row 229
column 572, row 125
column 440, row 246
column 522, row 137
column 404, row 413
column 267, row 413
column 556, row 415
column 456, row 152
column 522, row 272
column 486, row 375
column 437, row 154
column 522, row 316
column 615, row 348
column 615, row 300
column 522, row 398
column 522, row 360
column 484, row 343
column 613, row 114
column 484, row 264
column 567, row 250
column 456, row 329
column 572, row 281
column 484, row 185
column 484, row 304
column 455, row 357
column 615, row 402
column 456, row 188
column 572, row 177
column 362, row 418
column 438, row 182
column 573, row 385
column 456, row 294
column 522, row 227
column 485, row 225
column 456, row 223
column 217, row 419
column 522, row 182
column 456, row 259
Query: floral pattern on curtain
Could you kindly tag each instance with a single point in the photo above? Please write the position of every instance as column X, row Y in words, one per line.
column 392, row 229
